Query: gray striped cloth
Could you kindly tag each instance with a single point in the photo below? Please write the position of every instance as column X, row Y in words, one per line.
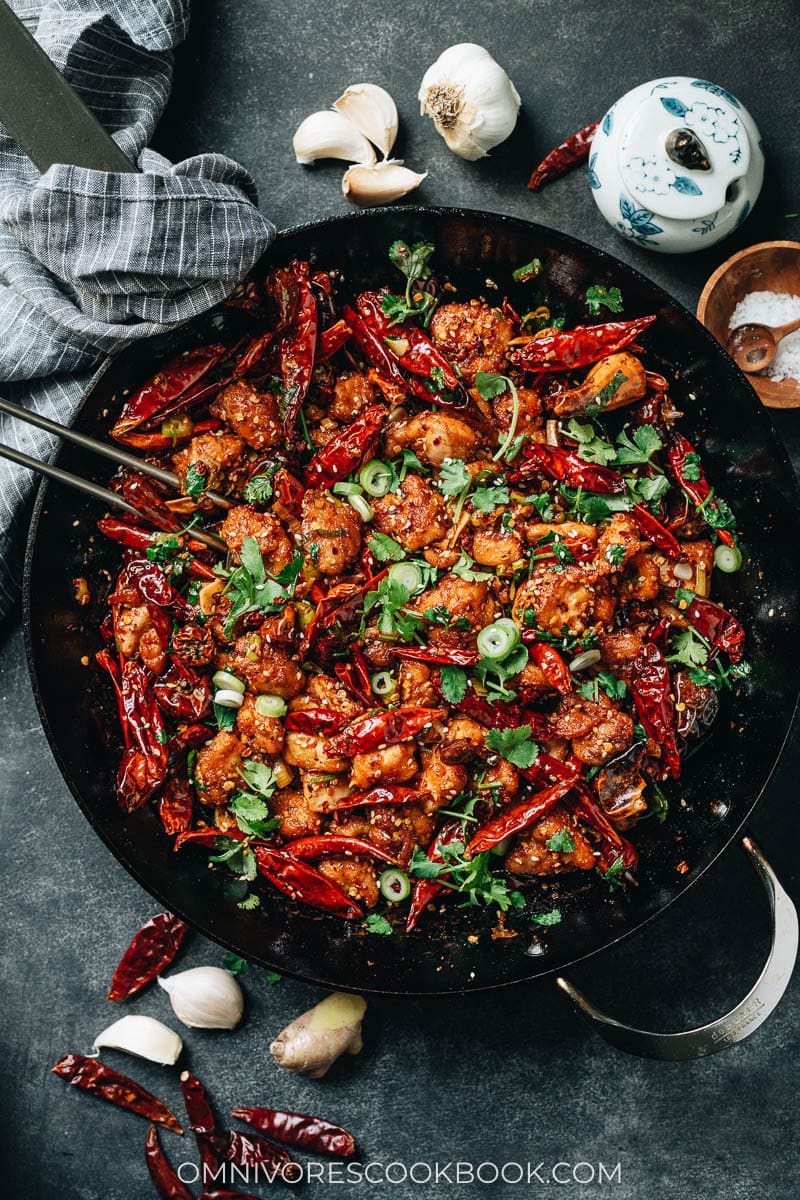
column 90, row 262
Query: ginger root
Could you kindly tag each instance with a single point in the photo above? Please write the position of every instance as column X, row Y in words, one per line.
column 313, row 1041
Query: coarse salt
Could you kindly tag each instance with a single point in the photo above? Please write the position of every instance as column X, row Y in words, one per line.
column 773, row 308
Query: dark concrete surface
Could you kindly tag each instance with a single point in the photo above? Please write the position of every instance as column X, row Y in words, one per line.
column 509, row 1077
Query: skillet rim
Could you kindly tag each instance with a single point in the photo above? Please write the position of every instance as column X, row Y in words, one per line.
column 604, row 258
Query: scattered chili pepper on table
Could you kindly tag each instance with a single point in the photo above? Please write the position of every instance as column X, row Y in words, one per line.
column 165, row 1179
column 298, row 1129
column 152, row 950
column 90, row 1075
column 568, row 154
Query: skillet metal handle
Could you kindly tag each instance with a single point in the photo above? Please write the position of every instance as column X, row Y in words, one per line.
column 741, row 1021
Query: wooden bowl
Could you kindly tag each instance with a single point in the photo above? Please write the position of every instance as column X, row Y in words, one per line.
column 767, row 267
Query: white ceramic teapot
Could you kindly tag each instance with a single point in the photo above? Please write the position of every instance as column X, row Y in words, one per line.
column 676, row 164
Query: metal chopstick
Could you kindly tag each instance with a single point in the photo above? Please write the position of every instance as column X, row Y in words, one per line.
column 95, row 490
column 114, row 453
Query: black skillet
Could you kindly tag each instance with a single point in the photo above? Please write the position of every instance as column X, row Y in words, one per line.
column 722, row 782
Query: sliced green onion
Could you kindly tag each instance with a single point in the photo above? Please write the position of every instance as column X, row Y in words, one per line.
column 394, row 885
column 728, row 558
column 227, row 698
column 270, row 706
column 346, row 489
column 224, row 679
column 375, row 477
column 587, row 658
column 408, row 575
column 382, row 683
column 502, row 847
column 178, row 426
column 498, row 640
column 364, row 510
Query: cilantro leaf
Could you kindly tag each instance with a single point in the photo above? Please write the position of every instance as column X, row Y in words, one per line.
column 617, row 689
column 561, row 842
column 273, row 977
column 692, row 469
column 464, row 569
column 453, row 477
column 490, row 385
column 648, row 488
column 225, row 717
column 453, row 684
column 614, row 875
column 407, row 461
column 251, row 588
column 260, row 777
column 375, row 923
column 591, row 448
column 196, row 479
column 385, row 548
column 597, row 295
column 486, row 499
column 515, row 745
column 528, row 271
column 412, row 260
column 688, row 648
column 249, row 903
column 639, row 448
column 615, row 554
column 553, row 917
column 234, row 964
column 260, row 488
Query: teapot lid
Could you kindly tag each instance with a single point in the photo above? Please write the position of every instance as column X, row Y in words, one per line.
column 681, row 148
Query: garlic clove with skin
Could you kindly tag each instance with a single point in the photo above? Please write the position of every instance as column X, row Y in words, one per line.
column 205, row 997
column 373, row 112
column 330, row 135
column 142, row 1036
column 379, row 183
column 471, row 100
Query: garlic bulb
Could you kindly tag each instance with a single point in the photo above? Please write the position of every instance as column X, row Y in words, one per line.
column 330, row 135
column 142, row 1036
column 472, row 101
column 379, row 183
column 373, row 112
column 205, row 998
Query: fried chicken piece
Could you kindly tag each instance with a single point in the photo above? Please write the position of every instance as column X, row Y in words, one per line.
column 618, row 542
column 530, row 410
column 296, row 816
column 324, row 692
column 265, row 734
column 217, row 769
column 619, row 651
column 273, row 541
column 398, row 828
column 439, row 781
column 433, row 436
column 218, row 453
column 137, row 637
column 414, row 516
column 331, row 532
column 496, row 547
column 308, row 751
column 473, row 337
column 416, row 686
column 641, row 578
column 252, row 414
column 532, row 856
column 560, row 599
column 352, row 393
column 266, row 665
column 392, row 764
column 468, row 602
column 355, row 876
column 612, row 734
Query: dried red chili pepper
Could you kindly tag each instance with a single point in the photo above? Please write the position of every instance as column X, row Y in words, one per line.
column 176, row 805
column 301, row 882
column 655, row 532
column 314, row 721
column 517, row 818
column 568, row 154
column 340, row 603
column 385, row 793
column 253, row 353
column 202, row 1123
column 165, row 1179
column 298, row 347
column 143, row 539
column 445, row 655
column 298, row 1129
column 507, row 715
column 151, row 951
column 182, row 693
column 375, row 349
column 139, row 491
column 289, row 491
column 546, row 769
column 347, row 449
column 310, row 849
column 578, row 347
column 90, row 1075
column 567, row 467
column 552, row 666
column 612, row 844
column 166, row 390
column 144, row 764
column 332, row 339
column 715, row 624
column 426, row 890
column 383, row 728
column 253, row 1152
column 154, row 587
column 207, row 836
column 682, row 456
column 651, row 687
column 355, row 676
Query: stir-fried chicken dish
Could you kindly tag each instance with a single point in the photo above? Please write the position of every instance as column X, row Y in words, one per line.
column 462, row 632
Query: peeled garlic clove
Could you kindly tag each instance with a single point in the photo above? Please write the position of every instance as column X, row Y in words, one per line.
column 144, row 1037
column 379, row 183
column 330, row 135
column 373, row 112
column 472, row 101
column 205, row 997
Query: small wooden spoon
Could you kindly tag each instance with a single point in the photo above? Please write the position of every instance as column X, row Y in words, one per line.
column 753, row 347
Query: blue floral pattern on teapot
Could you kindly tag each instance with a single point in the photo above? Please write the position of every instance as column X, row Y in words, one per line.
column 660, row 198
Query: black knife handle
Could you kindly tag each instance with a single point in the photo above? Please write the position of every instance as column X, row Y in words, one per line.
column 42, row 113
